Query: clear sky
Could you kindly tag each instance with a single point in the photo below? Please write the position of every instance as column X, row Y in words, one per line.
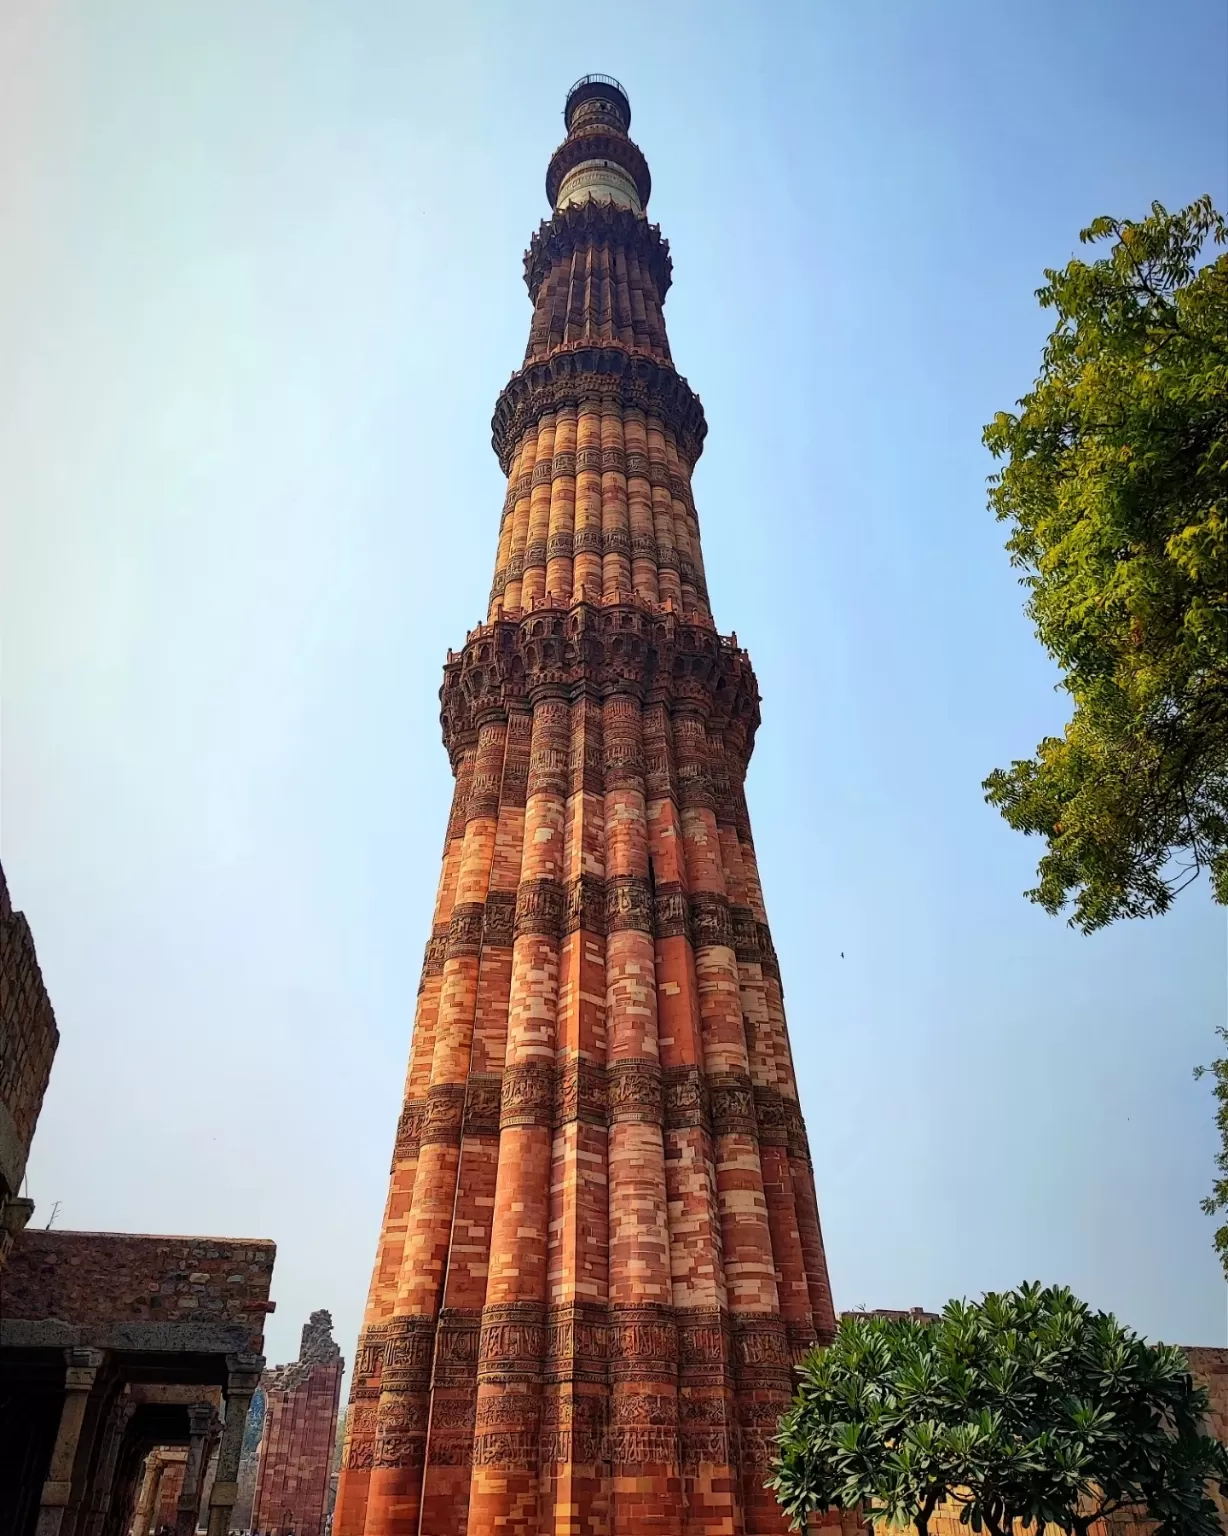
column 259, row 288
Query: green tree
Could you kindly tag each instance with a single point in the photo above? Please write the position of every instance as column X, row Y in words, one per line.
column 1024, row 1406
column 1115, row 488
column 1217, row 1201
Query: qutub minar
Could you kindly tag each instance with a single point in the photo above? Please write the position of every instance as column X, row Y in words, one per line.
column 601, row 1256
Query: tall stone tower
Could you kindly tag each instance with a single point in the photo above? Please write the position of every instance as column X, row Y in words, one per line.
column 601, row 1255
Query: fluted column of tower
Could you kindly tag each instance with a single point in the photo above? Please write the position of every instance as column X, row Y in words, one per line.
column 600, row 1259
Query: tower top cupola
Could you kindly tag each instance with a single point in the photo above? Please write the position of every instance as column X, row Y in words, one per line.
column 597, row 160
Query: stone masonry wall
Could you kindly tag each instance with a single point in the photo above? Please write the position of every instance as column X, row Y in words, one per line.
column 28, row 1041
column 95, row 1279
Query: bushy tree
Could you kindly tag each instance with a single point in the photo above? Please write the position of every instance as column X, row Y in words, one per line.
column 1024, row 1406
column 1115, row 488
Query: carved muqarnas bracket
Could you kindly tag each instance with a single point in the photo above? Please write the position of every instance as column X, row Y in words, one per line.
column 599, row 651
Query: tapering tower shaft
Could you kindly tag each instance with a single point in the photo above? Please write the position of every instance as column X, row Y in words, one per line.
column 600, row 1258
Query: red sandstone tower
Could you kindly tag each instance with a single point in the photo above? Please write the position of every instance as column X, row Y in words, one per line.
column 601, row 1253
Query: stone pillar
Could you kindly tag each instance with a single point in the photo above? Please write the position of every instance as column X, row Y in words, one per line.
column 200, row 1428
column 150, row 1479
column 97, row 1499
column 243, row 1377
column 82, row 1370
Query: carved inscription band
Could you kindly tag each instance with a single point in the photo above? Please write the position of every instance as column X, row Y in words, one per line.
column 575, row 1089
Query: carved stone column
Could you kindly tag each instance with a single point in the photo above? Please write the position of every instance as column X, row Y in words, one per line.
column 201, row 1420
column 151, row 1477
column 243, row 1377
column 97, row 1499
column 82, row 1370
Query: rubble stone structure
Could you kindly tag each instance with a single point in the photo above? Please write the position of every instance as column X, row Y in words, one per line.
column 300, row 1426
column 601, row 1256
column 28, row 1041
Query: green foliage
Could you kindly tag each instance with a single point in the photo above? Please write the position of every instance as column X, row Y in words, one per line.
column 1217, row 1200
column 1116, row 492
column 1024, row 1406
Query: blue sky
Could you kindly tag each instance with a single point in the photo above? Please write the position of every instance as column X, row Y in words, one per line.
column 259, row 288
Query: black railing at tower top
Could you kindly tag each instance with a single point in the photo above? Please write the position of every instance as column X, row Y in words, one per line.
column 596, row 80
column 586, row 82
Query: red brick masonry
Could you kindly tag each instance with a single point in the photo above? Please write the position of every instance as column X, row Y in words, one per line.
column 601, row 1254
column 300, row 1424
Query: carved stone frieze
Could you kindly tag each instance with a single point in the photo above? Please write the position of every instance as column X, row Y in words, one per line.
column 671, row 912
column 745, row 934
column 686, row 1099
column 540, row 906
column 512, row 1343
column 408, row 1343
column 733, row 1104
column 761, row 1355
column 703, row 1347
column 577, row 1344
column 400, row 1432
column 795, row 1131
column 628, row 904
column 574, row 1429
column 634, row 1088
column 369, row 1357
column 482, row 1104
column 465, row 929
column 436, row 953
column 456, row 1348
column 586, row 904
column 409, row 1131
column 767, row 954
column 559, row 546
column 498, row 919
column 527, row 1096
column 710, row 923
column 442, row 1114
column 643, row 1344
column 771, row 1117
column 580, row 1092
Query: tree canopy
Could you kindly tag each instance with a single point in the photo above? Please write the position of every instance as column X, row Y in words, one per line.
column 1115, row 487
column 1024, row 1406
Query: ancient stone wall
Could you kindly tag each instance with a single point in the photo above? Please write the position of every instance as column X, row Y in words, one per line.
column 300, row 1425
column 117, row 1289
column 28, row 1041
